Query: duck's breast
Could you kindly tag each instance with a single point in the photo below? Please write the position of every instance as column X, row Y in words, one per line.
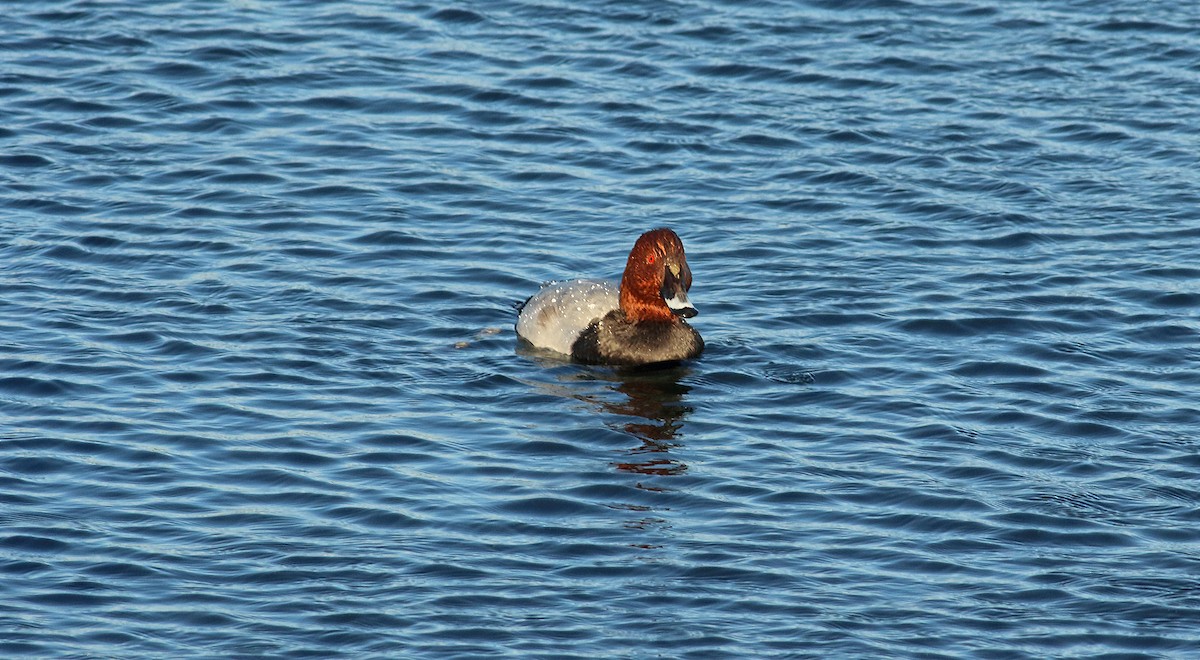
column 555, row 316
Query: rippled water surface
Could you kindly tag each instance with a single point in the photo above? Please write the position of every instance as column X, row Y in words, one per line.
column 260, row 393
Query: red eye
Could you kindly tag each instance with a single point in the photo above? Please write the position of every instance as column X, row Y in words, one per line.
column 650, row 258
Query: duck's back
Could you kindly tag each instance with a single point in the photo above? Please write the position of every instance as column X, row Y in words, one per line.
column 554, row 317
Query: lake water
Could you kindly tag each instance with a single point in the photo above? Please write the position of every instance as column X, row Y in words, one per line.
column 260, row 393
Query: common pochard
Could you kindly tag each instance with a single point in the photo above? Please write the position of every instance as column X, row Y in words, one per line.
column 640, row 322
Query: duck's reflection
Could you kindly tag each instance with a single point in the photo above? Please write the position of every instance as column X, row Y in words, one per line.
column 656, row 398
column 647, row 405
column 652, row 405
column 652, row 396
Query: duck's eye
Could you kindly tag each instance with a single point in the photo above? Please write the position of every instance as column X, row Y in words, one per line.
column 650, row 258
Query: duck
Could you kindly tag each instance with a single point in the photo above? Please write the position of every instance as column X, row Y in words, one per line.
column 638, row 322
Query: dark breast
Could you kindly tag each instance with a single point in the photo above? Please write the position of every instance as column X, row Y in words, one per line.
column 615, row 340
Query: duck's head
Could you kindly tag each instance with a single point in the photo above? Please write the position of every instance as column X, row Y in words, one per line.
column 657, row 278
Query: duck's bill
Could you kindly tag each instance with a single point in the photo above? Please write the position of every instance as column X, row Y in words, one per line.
column 680, row 306
column 674, row 291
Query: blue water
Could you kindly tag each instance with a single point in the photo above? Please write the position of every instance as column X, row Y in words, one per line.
column 260, row 393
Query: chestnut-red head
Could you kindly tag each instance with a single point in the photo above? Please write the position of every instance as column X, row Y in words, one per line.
column 657, row 278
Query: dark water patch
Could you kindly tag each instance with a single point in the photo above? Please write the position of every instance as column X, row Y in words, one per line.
column 229, row 53
column 748, row 72
column 1115, row 25
column 24, row 543
column 72, row 599
column 23, row 161
column 1089, row 134
column 544, row 82
column 371, row 517
column 335, row 103
column 294, row 458
column 23, row 567
column 1000, row 370
column 491, row 118
column 246, row 179
column 979, row 326
column 67, row 105
column 46, row 207
column 38, row 387
column 1048, row 538
column 457, row 16
column 178, row 71
column 543, row 177
column 711, row 33
column 60, row 16
column 910, row 66
column 1164, row 334
column 113, row 122
column 766, row 142
column 211, row 125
